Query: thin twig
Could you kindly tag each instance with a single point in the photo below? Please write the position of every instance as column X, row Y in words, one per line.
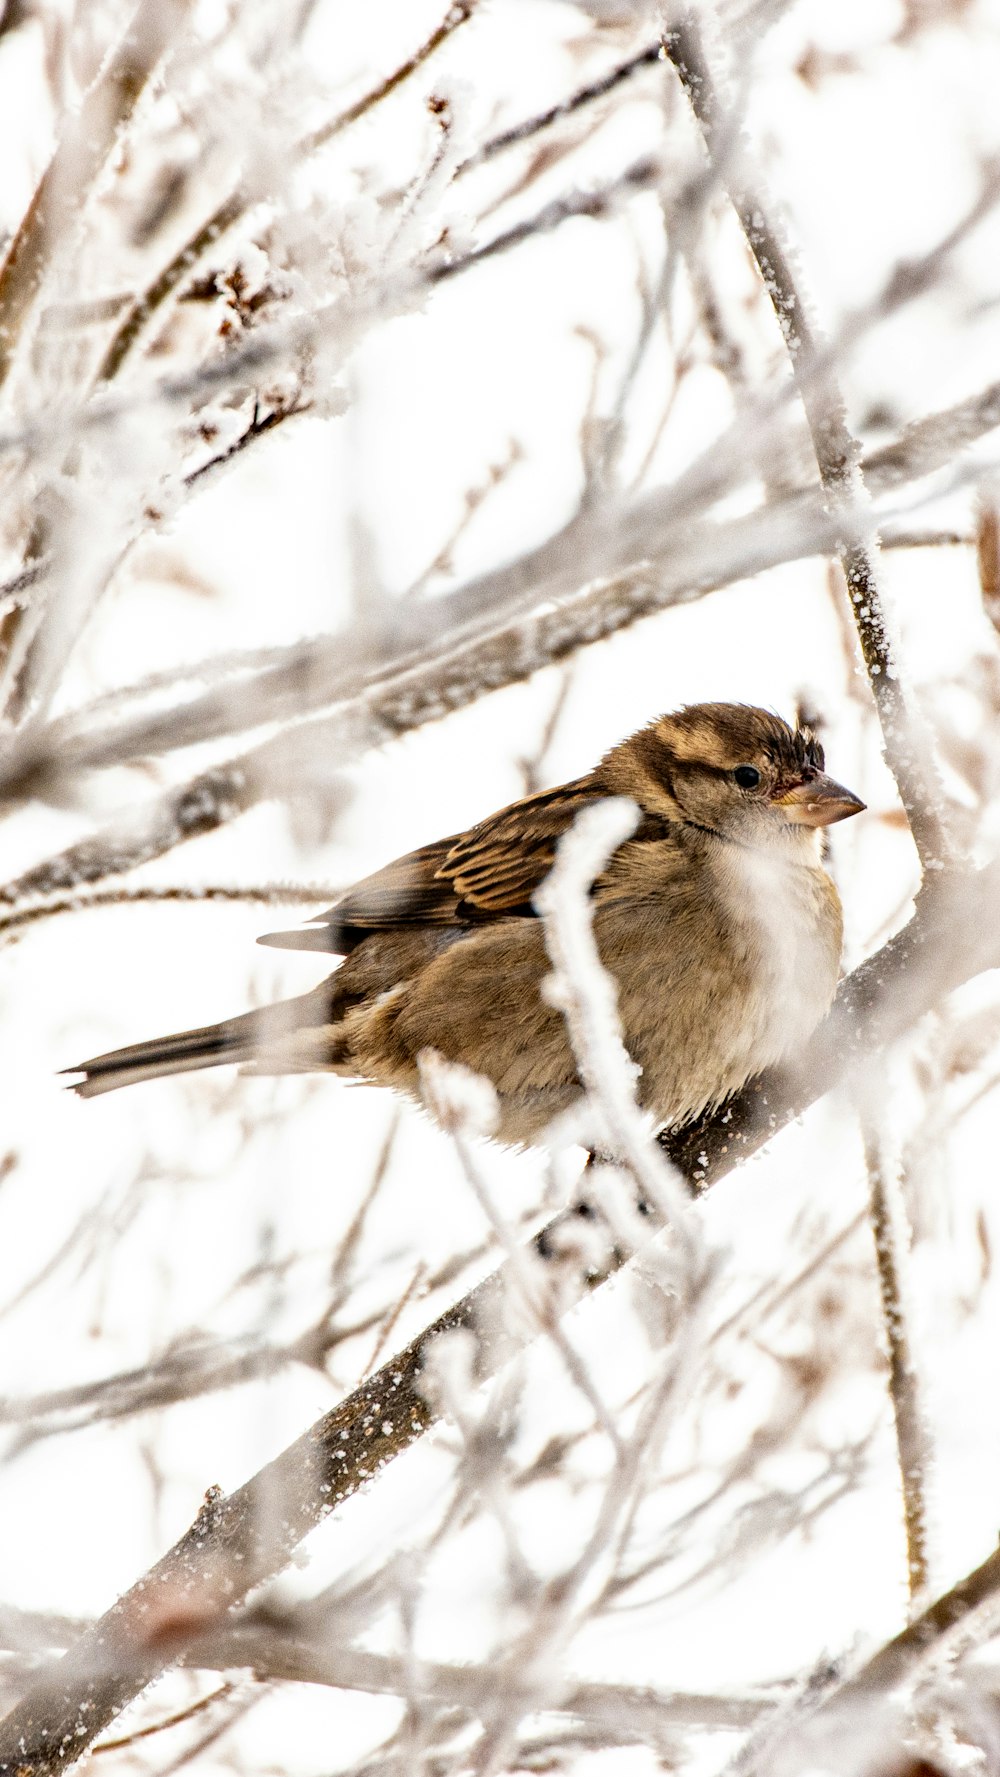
column 273, row 894
column 457, row 14
column 911, row 1431
column 258, row 425
column 585, row 95
column 168, row 1721
column 643, row 175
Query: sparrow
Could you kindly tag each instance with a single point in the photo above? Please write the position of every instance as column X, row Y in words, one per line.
column 716, row 918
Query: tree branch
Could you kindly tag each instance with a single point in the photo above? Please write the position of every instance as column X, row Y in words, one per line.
column 837, row 452
column 271, row 894
column 904, row 1391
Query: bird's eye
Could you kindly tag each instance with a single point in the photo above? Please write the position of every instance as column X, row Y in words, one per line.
column 747, row 776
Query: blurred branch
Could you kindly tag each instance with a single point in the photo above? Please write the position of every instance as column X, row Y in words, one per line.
column 204, row 803
column 142, row 310
column 236, row 205
column 272, row 894
column 25, row 578
column 927, row 445
column 923, row 448
column 241, row 1540
column 189, row 1369
column 88, row 136
column 631, row 1712
column 298, row 1646
column 837, row 453
column 693, row 557
column 932, row 538
column 448, row 681
column 585, row 95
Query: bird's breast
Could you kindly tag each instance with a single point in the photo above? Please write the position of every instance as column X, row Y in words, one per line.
column 724, row 972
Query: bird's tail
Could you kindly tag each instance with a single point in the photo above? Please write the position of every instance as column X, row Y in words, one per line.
column 241, row 1039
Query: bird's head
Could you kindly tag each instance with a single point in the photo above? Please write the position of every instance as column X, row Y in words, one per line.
column 734, row 770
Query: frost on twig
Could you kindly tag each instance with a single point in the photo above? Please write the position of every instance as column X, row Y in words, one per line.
column 586, row 995
column 890, row 1239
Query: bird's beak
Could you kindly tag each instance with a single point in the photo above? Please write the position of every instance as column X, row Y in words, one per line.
column 818, row 803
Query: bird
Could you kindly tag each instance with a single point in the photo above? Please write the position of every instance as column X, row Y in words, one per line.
column 716, row 918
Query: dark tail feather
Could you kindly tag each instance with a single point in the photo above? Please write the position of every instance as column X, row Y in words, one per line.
column 332, row 939
column 214, row 1045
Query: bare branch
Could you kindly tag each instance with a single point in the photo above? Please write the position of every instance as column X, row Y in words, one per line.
column 584, row 96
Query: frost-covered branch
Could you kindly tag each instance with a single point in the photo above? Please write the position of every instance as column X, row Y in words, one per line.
column 269, row 894
column 587, row 996
column 904, row 1386
column 907, row 748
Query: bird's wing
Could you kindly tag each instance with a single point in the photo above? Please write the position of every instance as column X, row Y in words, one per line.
column 488, row 872
column 496, row 866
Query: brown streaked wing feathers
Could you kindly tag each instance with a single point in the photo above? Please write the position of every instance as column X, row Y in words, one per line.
column 491, row 870
column 498, row 865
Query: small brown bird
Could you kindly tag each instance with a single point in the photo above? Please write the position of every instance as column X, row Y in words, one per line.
column 716, row 918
